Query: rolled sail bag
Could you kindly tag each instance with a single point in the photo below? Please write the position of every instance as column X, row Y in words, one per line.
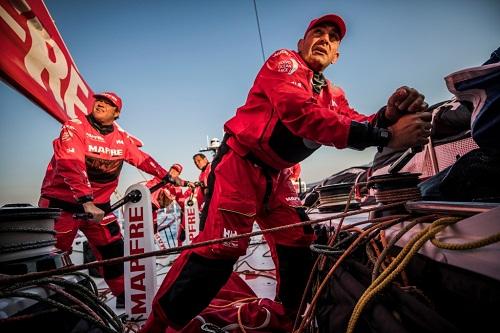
column 480, row 86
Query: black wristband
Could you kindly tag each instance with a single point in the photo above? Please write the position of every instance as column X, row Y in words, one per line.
column 84, row 199
column 383, row 138
column 362, row 135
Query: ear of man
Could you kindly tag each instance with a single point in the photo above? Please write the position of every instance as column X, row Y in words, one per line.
column 337, row 55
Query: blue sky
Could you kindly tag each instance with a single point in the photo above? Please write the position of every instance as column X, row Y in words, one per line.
column 183, row 67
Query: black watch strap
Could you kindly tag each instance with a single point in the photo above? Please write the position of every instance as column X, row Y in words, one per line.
column 384, row 136
column 363, row 135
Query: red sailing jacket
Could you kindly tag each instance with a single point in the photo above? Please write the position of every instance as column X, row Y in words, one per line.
column 203, row 178
column 283, row 120
column 171, row 191
column 86, row 164
column 295, row 172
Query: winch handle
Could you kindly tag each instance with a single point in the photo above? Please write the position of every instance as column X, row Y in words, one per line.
column 399, row 164
column 133, row 196
column 196, row 184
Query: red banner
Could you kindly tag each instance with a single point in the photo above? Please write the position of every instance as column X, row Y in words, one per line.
column 36, row 62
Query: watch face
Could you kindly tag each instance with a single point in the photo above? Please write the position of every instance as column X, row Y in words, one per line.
column 384, row 134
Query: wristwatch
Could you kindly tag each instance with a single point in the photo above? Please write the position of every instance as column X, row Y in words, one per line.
column 383, row 138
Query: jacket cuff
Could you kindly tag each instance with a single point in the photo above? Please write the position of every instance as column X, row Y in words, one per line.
column 362, row 135
column 84, row 199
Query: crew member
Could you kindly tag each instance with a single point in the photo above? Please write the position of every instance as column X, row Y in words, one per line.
column 196, row 190
column 168, row 193
column 291, row 110
column 202, row 163
column 82, row 175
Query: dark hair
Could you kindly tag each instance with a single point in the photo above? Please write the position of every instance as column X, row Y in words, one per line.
column 199, row 154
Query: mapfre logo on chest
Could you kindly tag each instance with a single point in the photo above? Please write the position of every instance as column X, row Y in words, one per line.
column 94, row 137
column 105, row 150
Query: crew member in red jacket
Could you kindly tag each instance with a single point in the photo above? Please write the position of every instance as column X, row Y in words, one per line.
column 202, row 163
column 197, row 190
column 82, row 175
column 168, row 193
column 291, row 111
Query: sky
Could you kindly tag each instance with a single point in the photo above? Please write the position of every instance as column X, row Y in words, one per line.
column 183, row 67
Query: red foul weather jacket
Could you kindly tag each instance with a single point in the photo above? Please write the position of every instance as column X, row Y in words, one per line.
column 86, row 164
column 173, row 192
column 295, row 172
column 283, row 120
column 203, row 178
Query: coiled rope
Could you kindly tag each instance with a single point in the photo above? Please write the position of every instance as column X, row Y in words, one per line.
column 83, row 302
column 392, row 188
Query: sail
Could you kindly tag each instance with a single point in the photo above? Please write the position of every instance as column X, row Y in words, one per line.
column 36, row 62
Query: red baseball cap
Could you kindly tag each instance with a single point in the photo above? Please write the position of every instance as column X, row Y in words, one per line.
column 177, row 167
column 329, row 18
column 112, row 97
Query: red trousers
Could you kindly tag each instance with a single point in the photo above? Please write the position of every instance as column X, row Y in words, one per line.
column 105, row 240
column 240, row 194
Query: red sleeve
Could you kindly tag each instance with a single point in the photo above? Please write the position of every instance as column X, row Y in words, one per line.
column 284, row 80
column 295, row 171
column 155, row 195
column 152, row 182
column 69, row 154
column 141, row 160
column 176, row 191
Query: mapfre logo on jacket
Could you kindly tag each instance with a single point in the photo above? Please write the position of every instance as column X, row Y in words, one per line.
column 104, row 150
column 104, row 153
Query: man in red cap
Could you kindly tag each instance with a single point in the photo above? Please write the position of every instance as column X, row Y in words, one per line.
column 291, row 110
column 203, row 164
column 82, row 175
column 168, row 193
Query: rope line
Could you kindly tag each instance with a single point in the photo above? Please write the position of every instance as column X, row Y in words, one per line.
column 397, row 265
column 28, row 230
column 258, row 28
column 6, row 280
column 467, row 246
column 88, row 296
column 405, row 229
column 310, row 310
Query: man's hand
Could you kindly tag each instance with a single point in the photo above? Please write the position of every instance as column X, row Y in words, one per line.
column 96, row 212
column 403, row 101
column 411, row 130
